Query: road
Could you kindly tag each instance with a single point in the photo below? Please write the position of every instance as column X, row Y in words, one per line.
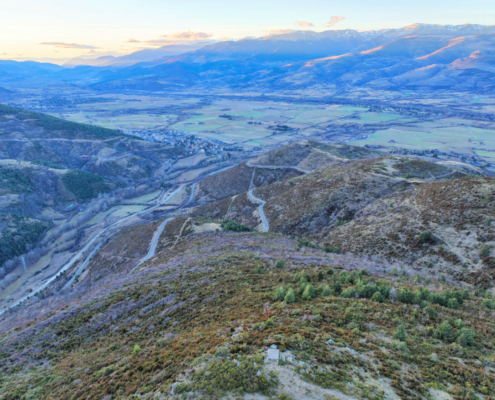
column 88, row 246
column 262, row 214
column 277, row 167
column 114, row 150
column 154, row 243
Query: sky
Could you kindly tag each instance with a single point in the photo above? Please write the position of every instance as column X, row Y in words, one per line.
column 57, row 30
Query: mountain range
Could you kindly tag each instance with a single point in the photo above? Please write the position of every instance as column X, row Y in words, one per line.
column 423, row 56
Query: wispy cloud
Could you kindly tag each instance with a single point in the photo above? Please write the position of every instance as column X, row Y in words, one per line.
column 63, row 45
column 305, row 24
column 157, row 42
column 280, row 31
column 132, row 41
column 189, row 35
column 333, row 21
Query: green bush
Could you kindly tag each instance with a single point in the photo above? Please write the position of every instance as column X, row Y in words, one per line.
column 349, row 293
column 309, row 292
column 290, row 297
column 400, row 347
column 432, row 312
column 337, row 288
column 400, row 333
column 232, row 226
column 480, row 292
column 423, row 237
column 453, row 303
column 330, row 272
column 326, row 291
column 485, row 251
column 465, row 337
column 378, row 297
column 136, row 349
column 258, row 269
column 444, row 332
column 331, row 249
column 306, row 243
column 280, row 264
column 279, row 293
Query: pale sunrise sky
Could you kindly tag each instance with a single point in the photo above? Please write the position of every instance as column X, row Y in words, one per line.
column 36, row 29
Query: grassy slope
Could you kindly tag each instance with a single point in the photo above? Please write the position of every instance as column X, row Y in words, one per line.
column 206, row 303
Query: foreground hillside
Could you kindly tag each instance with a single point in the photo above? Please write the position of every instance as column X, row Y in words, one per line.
column 198, row 319
column 369, row 283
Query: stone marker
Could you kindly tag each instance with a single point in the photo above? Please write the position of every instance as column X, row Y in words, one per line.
column 273, row 354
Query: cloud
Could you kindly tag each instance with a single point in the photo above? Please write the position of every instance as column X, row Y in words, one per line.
column 63, row 45
column 334, row 20
column 280, row 31
column 157, row 42
column 4, row 54
column 189, row 35
column 305, row 24
column 132, row 41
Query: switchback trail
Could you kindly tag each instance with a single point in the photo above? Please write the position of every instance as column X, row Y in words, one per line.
column 262, row 214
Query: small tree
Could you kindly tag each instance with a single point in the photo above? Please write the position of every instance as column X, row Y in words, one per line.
column 280, row 264
column 327, row 291
column 444, row 332
column 290, row 297
column 378, row 297
column 279, row 293
column 485, row 251
column 465, row 337
column 309, row 292
column 423, row 237
column 136, row 349
column 400, row 333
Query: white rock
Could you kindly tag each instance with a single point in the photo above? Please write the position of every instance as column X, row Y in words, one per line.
column 273, row 354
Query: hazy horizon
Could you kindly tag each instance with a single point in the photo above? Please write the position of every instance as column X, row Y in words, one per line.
column 56, row 31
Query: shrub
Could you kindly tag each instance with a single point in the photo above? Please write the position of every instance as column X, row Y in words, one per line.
column 309, row 292
column 330, row 272
column 459, row 323
column 444, row 332
column 331, row 249
column 423, row 237
column 442, row 278
column 465, row 337
column 404, row 295
column 490, row 304
column 485, row 251
column 279, row 293
column 395, row 271
column 453, row 303
column 349, row 293
column 480, row 292
column 280, row 264
column 232, row 226
column 290, row 297
column 432, row 312
column 465, row 294
column 400, row 333
column 258, row 269
column 306, row 243
column 320, row 276
column 326, row 291
column 136, row 349
column 378, row 297
column 336, row 288
column 400, row 347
